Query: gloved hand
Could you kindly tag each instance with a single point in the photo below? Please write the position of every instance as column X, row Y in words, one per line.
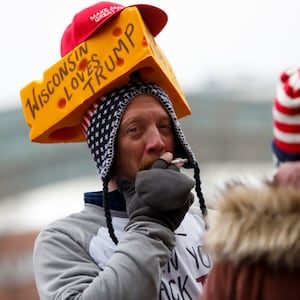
column 161, row 195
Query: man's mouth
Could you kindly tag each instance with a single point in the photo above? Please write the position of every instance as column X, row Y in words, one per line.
column 147, row 164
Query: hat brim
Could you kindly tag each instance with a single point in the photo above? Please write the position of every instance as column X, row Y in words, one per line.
column 154, row 17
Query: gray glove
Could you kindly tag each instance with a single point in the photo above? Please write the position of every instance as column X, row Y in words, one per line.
column 161, row 195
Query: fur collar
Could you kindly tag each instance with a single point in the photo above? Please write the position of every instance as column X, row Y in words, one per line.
column 256, row 224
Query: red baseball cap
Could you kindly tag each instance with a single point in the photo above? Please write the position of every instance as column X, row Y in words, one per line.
column 89, row 20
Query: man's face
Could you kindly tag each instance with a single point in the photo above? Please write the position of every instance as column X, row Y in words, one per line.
column 145, row 134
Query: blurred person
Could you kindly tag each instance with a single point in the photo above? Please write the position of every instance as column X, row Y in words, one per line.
column 254, row 240
column 254, row 232
column 140, row 237
column 286, row 128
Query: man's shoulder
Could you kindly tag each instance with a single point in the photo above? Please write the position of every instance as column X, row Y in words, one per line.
column 88, row 220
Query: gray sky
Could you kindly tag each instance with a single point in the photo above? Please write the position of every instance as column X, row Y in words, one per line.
column 204, row 40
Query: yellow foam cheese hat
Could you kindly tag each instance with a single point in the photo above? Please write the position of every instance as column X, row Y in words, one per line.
column 54, row 106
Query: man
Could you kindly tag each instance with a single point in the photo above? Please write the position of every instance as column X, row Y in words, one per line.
column 75, row 256
column 139, row 238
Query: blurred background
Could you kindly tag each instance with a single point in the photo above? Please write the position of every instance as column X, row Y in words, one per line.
column 227, row 57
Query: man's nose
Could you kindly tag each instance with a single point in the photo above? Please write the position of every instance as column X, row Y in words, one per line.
column 155, row 141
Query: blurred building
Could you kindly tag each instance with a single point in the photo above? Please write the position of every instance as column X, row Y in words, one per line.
column 16, row 275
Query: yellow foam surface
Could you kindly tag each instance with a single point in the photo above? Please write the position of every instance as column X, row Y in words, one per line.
column 54, row 106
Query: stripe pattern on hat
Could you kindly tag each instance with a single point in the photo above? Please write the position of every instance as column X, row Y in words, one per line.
column 286, row 116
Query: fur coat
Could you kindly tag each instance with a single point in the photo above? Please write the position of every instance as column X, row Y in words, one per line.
column 254, row 238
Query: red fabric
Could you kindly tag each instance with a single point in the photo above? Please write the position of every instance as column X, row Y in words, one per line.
column 251, row 282
column 289, row 128
column 89, row 20
column 286, row 110
column 290, row 91
column 292, row 148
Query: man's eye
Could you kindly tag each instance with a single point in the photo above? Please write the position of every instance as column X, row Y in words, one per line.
column 132, row 129
column 166, row 126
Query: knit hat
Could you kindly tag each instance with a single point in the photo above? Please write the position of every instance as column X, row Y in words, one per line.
column 286, row 117
column 254, row 240
column 102, row 121
column 89, row 20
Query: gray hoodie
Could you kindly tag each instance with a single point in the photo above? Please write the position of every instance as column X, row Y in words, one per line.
column 74, row 258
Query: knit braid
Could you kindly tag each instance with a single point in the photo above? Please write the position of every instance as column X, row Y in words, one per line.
column 107, row 212
column 199, row 191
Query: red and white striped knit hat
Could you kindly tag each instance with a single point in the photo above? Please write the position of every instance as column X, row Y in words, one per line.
column 286, row 117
